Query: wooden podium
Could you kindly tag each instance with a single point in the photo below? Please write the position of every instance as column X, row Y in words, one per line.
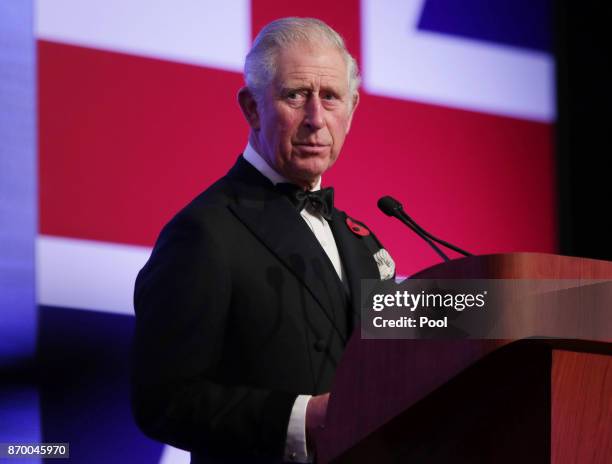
column 476, row 401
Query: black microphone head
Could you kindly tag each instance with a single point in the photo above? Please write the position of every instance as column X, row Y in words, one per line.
column 389, row 205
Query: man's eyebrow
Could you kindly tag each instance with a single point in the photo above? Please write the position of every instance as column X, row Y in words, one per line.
column 301, row 87
column 331, row 88
column 295, row 88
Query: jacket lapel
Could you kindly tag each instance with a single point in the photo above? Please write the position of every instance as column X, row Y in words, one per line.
column 272, row 218
column 357, row 259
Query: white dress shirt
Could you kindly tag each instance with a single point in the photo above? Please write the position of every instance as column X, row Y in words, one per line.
column 295, row 447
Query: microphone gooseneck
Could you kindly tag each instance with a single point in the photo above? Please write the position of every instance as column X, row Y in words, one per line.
column 391, row 207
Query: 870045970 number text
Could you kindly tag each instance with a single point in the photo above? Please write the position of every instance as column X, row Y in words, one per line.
column 48, row 450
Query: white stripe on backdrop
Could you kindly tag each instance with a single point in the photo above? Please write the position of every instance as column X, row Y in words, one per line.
column 201, row 32
column 85, row 274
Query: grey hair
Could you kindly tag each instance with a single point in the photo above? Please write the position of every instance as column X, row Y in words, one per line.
column 260, row 63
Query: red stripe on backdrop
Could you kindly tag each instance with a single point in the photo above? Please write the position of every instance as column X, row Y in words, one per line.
column 126, row 141
column 342, row 16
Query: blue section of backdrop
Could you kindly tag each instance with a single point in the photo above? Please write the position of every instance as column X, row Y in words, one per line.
column 521, row 23
column 84, row 365
column 19, row 414
column 18, row 182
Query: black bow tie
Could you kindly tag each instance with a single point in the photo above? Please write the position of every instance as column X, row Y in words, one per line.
column 319, row 201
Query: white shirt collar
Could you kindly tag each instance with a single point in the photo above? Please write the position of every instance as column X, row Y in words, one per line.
column 256, row 160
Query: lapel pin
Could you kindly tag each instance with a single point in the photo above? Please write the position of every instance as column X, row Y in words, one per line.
column 357, row 229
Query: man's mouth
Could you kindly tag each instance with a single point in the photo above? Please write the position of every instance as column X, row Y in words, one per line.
column 311, row 148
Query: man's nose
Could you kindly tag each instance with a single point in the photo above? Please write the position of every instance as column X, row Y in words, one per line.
column 314, row 118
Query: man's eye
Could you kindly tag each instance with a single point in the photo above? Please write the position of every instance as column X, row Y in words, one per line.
column 328, row 96
column 294, row 95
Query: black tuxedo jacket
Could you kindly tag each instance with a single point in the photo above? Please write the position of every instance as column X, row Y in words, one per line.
column 239, row 310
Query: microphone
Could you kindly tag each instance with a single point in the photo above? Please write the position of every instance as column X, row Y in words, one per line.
column 391, row 207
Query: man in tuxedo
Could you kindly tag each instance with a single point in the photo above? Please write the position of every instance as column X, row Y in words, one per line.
column 251, row 293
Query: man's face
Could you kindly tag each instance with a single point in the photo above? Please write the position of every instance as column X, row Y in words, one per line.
column 305, row 113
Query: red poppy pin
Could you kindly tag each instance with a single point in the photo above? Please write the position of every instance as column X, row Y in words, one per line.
column 357, row 229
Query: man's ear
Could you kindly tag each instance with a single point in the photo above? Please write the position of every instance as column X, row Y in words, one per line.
column 355, row 103
column 248, row 105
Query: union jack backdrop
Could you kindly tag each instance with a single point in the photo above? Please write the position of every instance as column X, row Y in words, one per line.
column 137, row 114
